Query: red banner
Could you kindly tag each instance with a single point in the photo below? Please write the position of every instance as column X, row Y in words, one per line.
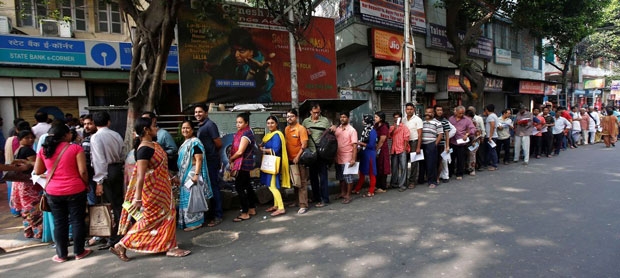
column 531, row 87
column 248, row 60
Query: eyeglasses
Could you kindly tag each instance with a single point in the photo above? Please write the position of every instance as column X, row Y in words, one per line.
column 290, row 116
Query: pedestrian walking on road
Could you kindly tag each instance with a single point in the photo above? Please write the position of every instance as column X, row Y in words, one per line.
column 150, row 192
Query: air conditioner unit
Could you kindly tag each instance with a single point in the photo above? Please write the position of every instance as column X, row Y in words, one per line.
column 65, row 29
column 5, row 25
column 49, row 27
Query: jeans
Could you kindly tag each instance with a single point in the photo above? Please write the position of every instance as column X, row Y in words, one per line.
column 557, row 142
column 399, row 169
column 318, row 181
column 429, row 164
column 522, row 142
column 113, row 193
column 547, row 143
column 536, row 145
column 504, row 145
column 70, row 209
column 459, row 157
column 414, row 172
column 216, row 202
column 492, row 154
column 247, row 196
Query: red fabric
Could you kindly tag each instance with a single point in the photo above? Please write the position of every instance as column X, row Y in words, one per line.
column 383, row 159
column 362, row 179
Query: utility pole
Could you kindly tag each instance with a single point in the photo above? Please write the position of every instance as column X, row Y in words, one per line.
column 409, row 45
column 293, row 55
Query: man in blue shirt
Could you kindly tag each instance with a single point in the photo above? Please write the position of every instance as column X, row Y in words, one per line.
column 209, row 135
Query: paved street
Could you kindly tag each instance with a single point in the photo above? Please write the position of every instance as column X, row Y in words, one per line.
column 557, row 217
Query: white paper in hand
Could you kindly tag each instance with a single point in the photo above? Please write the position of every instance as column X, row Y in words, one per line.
column 492, row 143
column 351, row 170
column 462, row 141
column 416, row 157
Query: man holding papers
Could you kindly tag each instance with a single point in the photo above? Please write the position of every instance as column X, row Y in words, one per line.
column 399, row 133
column 464, row 129
column 345, row 157
column 414, row 123
column 432, row 132
column 491, row 136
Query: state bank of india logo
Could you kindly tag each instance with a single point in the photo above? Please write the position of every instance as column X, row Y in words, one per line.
column 394, row 45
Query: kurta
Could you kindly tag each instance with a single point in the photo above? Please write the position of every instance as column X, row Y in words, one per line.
column 368, row 156
column 383, row 159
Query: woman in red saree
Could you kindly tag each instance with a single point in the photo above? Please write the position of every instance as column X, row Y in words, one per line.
column 149, row 192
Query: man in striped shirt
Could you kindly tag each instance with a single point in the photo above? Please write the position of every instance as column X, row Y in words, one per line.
column 432, row 133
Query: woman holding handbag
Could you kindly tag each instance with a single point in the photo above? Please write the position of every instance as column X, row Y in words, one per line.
column 274, row 144
column 67, row 179
column 241, row 163
column 149, row 192
column 192, row 168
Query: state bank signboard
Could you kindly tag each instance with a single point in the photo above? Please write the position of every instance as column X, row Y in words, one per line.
column 26, row 50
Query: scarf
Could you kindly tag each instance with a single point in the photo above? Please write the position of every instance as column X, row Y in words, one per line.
column 186, row 156
column 285, row 175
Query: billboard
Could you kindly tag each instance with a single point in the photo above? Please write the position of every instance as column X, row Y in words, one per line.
column 388, row 46
column 391, row 14
column 245, row 58
column 387, row 78
column 437, row 38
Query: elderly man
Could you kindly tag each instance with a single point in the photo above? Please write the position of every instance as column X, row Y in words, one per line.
column 523, row 129
column 464, row 130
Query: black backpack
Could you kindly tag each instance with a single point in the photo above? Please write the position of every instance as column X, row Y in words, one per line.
column 327, row 147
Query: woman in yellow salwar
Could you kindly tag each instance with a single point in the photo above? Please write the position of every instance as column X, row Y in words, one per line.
column 274, row 142
column 149, row 192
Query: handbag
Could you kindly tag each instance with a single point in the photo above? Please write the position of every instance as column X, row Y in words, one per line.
column 197, row 201
column 295, row 175
column 308, row 157
column 100, row 220
column 270, row 164
column 43, row 204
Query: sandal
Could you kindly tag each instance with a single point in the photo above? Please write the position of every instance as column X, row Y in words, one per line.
column 368, row 195
column 277, row 213
column 411, row 186
column 347, row 200
column 432, row 186
column 189, row 229
column 355, row 192
column 215, row 222
column 176, row 252
column 380, row 190
column 320, row 205
column 271, row 209
column 84, row 254
column 58, row 259
column 239, row 219
column 119, row 254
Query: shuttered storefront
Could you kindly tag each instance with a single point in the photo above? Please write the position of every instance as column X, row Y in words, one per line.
column 54, row 106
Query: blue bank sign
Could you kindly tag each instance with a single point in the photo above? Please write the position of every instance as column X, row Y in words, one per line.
column 26, row 50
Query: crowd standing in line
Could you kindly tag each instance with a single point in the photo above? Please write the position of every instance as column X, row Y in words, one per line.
column 84, row 164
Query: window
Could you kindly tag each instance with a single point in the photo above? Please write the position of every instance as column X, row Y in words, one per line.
column 29, row 11
column 76, row 10
column 109, row 16
column 506, row 37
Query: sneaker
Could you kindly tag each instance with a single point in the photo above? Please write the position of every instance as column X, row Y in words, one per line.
column 302, row 211
column 492, row 168
column 401, row 189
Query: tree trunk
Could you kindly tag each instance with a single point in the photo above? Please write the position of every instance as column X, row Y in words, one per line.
column 151, row 45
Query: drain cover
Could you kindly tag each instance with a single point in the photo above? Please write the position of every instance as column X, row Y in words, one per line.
column 215, row 238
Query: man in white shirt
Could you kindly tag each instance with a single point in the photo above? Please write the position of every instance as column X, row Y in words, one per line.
column 42, row 126
column 561, row 126
column 593, row 125
column 490, row 140
column 106, row 148
column 414, row 124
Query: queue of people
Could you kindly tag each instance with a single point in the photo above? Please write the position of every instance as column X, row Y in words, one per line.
column 86, row 167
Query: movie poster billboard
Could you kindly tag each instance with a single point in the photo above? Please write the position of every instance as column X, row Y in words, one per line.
column 391, row 14
column 244, row 58
column 345, row 11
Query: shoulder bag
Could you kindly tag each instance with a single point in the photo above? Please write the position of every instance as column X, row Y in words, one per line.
column 43, row 204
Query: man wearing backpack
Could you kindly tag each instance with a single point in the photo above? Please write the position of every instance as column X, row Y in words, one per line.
column 316, row 125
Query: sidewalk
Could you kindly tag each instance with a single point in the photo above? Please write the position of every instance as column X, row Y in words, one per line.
column 11, row 236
